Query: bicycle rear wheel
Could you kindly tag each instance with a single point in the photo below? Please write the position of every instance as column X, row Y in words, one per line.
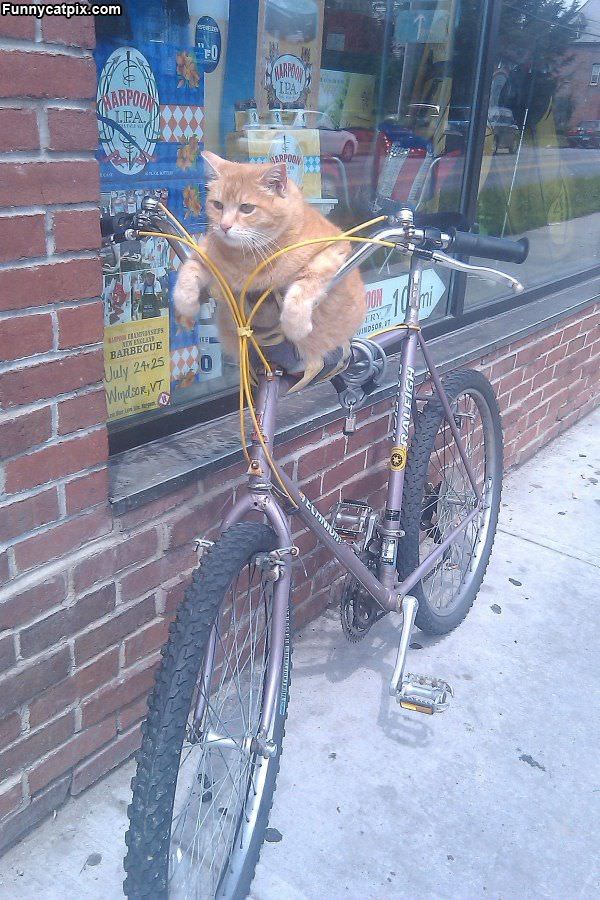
column 438, row 495
column 202, row 791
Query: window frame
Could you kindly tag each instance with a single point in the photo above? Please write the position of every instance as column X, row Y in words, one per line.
column 124, row 435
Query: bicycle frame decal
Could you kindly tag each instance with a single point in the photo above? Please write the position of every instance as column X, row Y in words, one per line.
column 315, row 512
column 398, row 459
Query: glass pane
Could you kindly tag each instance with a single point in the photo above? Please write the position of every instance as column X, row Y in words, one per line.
column 539, row 175
column 361, row 99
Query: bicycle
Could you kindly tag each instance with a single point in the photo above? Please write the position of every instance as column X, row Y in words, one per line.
column 212, row 741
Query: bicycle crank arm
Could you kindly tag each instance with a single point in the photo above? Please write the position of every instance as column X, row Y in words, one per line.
column 418, row 693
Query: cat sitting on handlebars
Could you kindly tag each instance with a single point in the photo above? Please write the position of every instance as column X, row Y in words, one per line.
column 254, row 210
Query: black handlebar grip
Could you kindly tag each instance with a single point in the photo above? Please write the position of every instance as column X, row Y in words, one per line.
column 500, row 249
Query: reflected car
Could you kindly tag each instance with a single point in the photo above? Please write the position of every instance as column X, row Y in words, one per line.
column 586, row 134
column 293, row 20
column 505, row 131
column 334, row 141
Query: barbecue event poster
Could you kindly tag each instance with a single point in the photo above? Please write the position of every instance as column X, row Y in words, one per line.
column 136, row 366
column 150, row 108
column 288, row 57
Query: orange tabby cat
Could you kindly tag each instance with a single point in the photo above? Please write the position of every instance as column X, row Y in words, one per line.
column 252, row 211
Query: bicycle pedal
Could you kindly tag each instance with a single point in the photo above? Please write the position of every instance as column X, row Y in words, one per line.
column 423, row 694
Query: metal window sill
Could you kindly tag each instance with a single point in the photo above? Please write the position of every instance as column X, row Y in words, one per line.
column 156, row 469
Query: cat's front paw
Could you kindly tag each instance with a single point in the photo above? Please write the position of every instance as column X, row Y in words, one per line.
column 296, row 322
column 191, row 280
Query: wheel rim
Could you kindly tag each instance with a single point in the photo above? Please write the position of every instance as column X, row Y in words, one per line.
column 450, row 497
column 221, row 779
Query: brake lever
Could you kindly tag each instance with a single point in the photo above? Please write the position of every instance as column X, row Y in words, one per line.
column 483, row 271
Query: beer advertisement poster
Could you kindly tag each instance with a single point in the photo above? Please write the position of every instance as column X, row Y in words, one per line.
column 288, row 53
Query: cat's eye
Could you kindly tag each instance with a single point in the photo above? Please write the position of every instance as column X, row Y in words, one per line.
column 217, row 204
column 247, row 207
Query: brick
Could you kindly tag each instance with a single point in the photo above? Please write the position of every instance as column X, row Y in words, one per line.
column 37, row 744
column 23, row 287
column 113, row 630
column 82, row 411
column 174, row 596
column 21, row 27
column 342, row 472
column 71, row 753
column 113, row 696
column 11, row 798
column 18, row 129
column 134, row 713
column 56, row 461
column 24, row 432
column 10, row 729
column 106, row 565
column 16, row 826
column 22, row 684
column 62, row 539
column 21, row 516
column 169, row 565
column 21, row 607
column 156, row 508
column 22, row 236
column 25, row 336
column 79, row 325
column 77, row 230
column 43, row 183
column 7, row 654
column 46, row 75
column 76, row 31
column 146, row 641
column 84, row 681
column 72, row 129
column 87, row 491
column 198, row 520
column 67, row 621
column 109, row 758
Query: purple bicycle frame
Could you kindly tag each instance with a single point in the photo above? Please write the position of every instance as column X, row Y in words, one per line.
column 262, row 497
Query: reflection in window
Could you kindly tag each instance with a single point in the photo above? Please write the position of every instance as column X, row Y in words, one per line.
column 539, row 174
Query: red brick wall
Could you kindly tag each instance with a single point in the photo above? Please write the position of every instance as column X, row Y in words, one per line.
column 87, row 596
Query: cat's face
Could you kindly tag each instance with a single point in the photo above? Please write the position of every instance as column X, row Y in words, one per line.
column 248, row 206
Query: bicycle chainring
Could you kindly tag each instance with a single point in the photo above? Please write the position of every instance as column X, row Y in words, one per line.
column 358, row 610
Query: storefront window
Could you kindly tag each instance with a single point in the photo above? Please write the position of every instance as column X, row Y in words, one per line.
column 363, row 100
column 539, row 175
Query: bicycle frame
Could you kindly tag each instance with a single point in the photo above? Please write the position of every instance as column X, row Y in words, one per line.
column 261, row 497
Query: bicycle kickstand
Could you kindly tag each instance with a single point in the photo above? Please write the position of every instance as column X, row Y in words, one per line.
column 419, row 693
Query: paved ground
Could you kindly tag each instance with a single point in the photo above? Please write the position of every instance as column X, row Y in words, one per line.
column 497, row 798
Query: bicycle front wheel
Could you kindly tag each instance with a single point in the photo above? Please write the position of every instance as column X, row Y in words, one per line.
column 438, row 495
column 202, row 792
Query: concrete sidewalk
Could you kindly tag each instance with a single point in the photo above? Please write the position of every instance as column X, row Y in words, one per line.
column 497, row 798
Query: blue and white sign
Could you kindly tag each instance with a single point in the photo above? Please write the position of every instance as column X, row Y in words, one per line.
column 208, row 43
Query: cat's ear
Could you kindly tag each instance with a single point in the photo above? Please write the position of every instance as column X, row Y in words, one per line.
column 213, row 163
column 275, row 179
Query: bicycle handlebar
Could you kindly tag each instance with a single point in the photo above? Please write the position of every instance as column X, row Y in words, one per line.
column 488, row 247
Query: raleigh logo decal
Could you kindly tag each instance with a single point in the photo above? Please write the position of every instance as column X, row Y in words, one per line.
column 128, row 110
column 326, row 525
